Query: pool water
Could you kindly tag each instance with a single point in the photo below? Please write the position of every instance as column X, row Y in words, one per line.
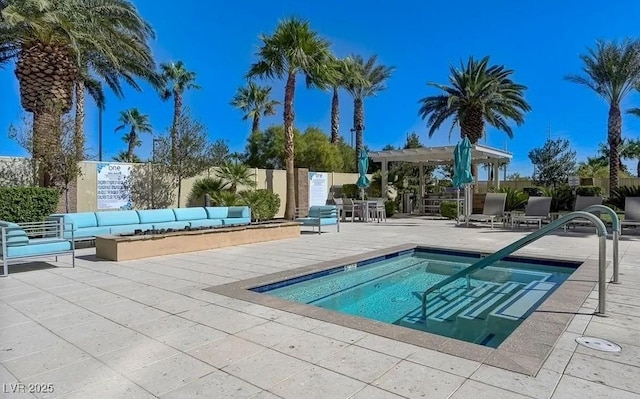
column 389, row 289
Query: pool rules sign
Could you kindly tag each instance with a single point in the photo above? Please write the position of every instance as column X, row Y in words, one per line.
column 112, row 191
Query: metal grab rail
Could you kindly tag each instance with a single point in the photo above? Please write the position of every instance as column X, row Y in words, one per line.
column 482, row 263
column 616, row 227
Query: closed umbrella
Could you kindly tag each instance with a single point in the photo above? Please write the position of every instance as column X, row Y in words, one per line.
column 363, row 166
column 462, row 168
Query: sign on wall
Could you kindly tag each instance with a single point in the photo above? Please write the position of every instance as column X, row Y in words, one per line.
column 318, row 188
column 111, row 191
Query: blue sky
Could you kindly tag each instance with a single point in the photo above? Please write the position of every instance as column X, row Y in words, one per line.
column 217, row 39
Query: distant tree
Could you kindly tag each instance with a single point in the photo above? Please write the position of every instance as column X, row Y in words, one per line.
column 612, row 71
column 632, row 151
column 317, row 153
column 365, row 78
column 177, row 79
column 413, row 141
column 150, row 186
column 255, row 101
column 389, row 147
column 219, row 153
column 553, row 163
column 137, row 123
column 123, row 156
column 192, row 152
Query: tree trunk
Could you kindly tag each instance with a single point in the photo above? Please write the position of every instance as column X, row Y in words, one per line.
column 78, row 137
column 177, row 111
column 289, row 116
column 638, row 169
column 255, row 127
column 472, row 126
column 46, row 141
column 614, row 138
column 335, row 117
column 179, row 190
column 131, row 145
column 66, row 199
column 358, row 125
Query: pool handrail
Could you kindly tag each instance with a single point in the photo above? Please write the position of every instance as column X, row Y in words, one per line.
column 601, row 231
column 616, row 228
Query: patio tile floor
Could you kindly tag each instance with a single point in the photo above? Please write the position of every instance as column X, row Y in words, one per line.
column 144, row 329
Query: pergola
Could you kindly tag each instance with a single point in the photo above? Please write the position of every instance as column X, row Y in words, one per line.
column 436, row 156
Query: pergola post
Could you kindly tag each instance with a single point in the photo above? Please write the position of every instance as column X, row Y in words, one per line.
column 421, row 196
column 496, row 173
column 384, row 177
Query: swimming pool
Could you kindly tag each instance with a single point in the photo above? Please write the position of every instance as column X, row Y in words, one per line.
column 483, row 310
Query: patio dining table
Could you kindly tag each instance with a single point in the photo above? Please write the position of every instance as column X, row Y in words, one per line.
column 364, row 207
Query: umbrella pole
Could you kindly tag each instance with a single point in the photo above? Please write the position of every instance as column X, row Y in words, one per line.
column 458, row 206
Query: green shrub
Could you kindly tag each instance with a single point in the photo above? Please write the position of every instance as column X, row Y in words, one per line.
column 516, row 199
column 618, row 196
column 264, row 204
column 562, row 198
column 589, row 191
column 390, row 207
column 350, row 191
column 208, row 185
column 225, row 198
column 449, row 209
column 27, row 204
column 533, row 191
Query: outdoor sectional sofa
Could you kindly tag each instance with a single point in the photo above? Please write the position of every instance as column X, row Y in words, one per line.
column 88, row 225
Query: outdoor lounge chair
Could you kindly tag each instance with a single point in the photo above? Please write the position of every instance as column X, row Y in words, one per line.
column 631, row 212
column 537, row 210
column 493, row 208
column 583, row 202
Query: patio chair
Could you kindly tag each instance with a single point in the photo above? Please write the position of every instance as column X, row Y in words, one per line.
column 631, row 212
column 339, row 203
column 378, row 211
column 583, row 202
column 348, row 207
column 493, row 208
column 537, row 210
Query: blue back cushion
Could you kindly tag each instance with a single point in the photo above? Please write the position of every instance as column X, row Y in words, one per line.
column 156, row 216
column 16, row 237
column 79, row 220
column 190, row 213
column 327, row 211
column 117, row 218
column 238, row 212
column 217, row 212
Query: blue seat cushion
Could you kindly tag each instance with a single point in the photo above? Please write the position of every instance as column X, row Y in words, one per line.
column 156, row 216
column 130, row 228
column 190, row 214
column 16, row 237
column 323, row 211
column 206, row 223
column 117, row 218
column 235, row 221
column 239, row 212
column 217, row 212
column 87, row 232
column 79, row 220
column 44, row 248
column 171, row 225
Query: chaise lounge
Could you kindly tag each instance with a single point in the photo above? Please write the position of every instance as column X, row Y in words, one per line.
column 492, row 209
column 88, row 225
column 319, row 216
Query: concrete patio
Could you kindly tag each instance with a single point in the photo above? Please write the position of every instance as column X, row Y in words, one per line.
column 145, row 329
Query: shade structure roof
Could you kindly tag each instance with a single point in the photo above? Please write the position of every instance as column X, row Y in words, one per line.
column 440, row 155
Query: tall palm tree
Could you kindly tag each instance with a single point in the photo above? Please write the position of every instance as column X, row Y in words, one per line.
column 137, row 123
column 612, row 70
column 291, row 50
column 255, row 101
column 477, row 94
column 47, row 37
column 364, row 79
column 177, row 79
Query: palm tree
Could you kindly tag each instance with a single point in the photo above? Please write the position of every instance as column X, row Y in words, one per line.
column 38, row 34
column 478, row 94
column 632, row 150
column 255, row 101
column 611, row 70
column 237, row 174
column 138, row 123
column 124, row 157
column 292, row 49
column 364, row 79
column 177, row 79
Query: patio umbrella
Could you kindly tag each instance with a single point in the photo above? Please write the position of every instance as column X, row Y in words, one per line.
column 363, row 166
column 462, row 169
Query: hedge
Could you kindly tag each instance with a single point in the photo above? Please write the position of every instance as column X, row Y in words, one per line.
column 448, row 209
column 27, row 204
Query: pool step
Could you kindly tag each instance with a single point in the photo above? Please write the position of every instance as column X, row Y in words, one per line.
column 520, row 305
column 462, row 302
column 480, row 308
